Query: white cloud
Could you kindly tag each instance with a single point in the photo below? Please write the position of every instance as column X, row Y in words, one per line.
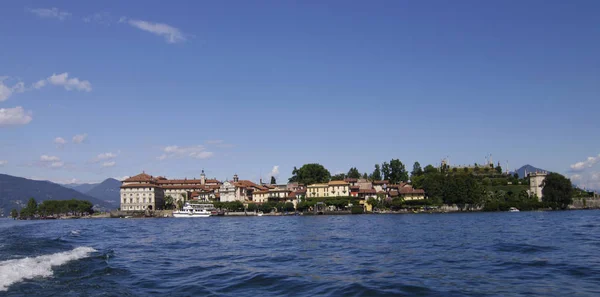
column 587, row 180
column 109, row 164
column 14, row 116
column 275, row 171
column 57, row 164
column 51, row 161
column 66, row 82
column 106, row 156
column 59, row 141
column 588, row 163
column 6, row 91
column 103, row 18
column 40, row 84
column 198, row 152
column 80, row 138
column 3, row 162
column 171, row 34
column 50, row 13
column 46, row 158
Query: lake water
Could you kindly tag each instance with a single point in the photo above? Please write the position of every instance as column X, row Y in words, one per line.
column 470, row 254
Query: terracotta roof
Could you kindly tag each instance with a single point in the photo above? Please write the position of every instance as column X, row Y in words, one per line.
column 367, row 191
column 179, row 181
column 410, row 190
column 172, row 187
column 301, row 191
column 246, row 184
column 354, row 187
column 212, row 181
column 142, row 177
column 261, row 192
column 139, row 186
column 393, row 193
column 381, row 182
column 393, row 186
column 337, row 183
column 351, row 180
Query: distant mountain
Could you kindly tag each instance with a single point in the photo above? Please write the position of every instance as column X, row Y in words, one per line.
column 527, row 168
column 15, row 191
column 107, row 191
column 81, row 188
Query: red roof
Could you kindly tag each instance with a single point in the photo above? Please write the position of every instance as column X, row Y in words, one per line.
column 139, row 186
column 142, row 177
column 381, row 182
column 410, row 190
column 367, row 191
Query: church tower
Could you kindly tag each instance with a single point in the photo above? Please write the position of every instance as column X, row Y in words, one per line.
column 202, row 178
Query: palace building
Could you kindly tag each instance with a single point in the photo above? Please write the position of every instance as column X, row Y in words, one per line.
column 147, row 192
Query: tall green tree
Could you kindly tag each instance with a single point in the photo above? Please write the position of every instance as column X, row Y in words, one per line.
column 339, row 176
column 398, row 172
column 376, row 176
column 273, row 180
column 30, row 210
column 353, row 173
column 557, row 192
column 498, row 169
column 365, row 176
column 417, row 171
column 312, row 174
column 385, row 169
column 14, row 214
column 429, row 169
column 294, row 178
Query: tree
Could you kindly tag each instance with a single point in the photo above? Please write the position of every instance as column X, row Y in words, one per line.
column 14, row 213
column 169, row 202
column 353, row 173
column 557, row 192
column 429, row 169
column 30, row 210
column 385, row 169
column 498, row 169
column 273, row 180
column 339, row 176
column 294, row 178
column 179, row 204
column 417, row 171
column 312, row 174
column 365, row 176
column 398, row 172
column 376, row 176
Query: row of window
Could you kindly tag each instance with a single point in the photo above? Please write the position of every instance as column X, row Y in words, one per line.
column 137, row 200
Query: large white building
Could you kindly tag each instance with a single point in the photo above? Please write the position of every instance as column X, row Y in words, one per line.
column 145, row 191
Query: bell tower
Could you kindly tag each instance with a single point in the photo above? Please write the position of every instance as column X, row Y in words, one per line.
column 202, row 178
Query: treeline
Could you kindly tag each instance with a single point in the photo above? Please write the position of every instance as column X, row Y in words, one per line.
column 266, row 207
column 48, row 208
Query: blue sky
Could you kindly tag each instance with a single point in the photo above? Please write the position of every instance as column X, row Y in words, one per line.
column 107, row 89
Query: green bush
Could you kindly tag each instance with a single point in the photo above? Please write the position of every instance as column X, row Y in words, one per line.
column 357, row 209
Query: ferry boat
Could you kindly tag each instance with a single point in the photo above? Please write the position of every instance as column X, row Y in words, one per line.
column 194, row 211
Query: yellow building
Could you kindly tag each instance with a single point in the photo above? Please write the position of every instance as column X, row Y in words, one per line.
column 338, row 188
column 317, row 190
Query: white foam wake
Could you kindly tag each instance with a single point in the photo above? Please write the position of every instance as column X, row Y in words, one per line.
column 17, row 270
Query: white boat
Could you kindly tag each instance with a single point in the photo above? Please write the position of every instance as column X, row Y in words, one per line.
column 190, row 210
column 260, row 214
column 513, row 209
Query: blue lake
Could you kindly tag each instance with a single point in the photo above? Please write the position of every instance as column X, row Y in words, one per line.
column 469, row 254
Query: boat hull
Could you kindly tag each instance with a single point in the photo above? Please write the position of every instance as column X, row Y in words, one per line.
column 191, row 215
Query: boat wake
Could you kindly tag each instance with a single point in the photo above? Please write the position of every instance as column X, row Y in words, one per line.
column 18, row 270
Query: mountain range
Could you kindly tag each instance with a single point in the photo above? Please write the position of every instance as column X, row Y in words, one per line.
column 16, row 191
column 527, row 168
